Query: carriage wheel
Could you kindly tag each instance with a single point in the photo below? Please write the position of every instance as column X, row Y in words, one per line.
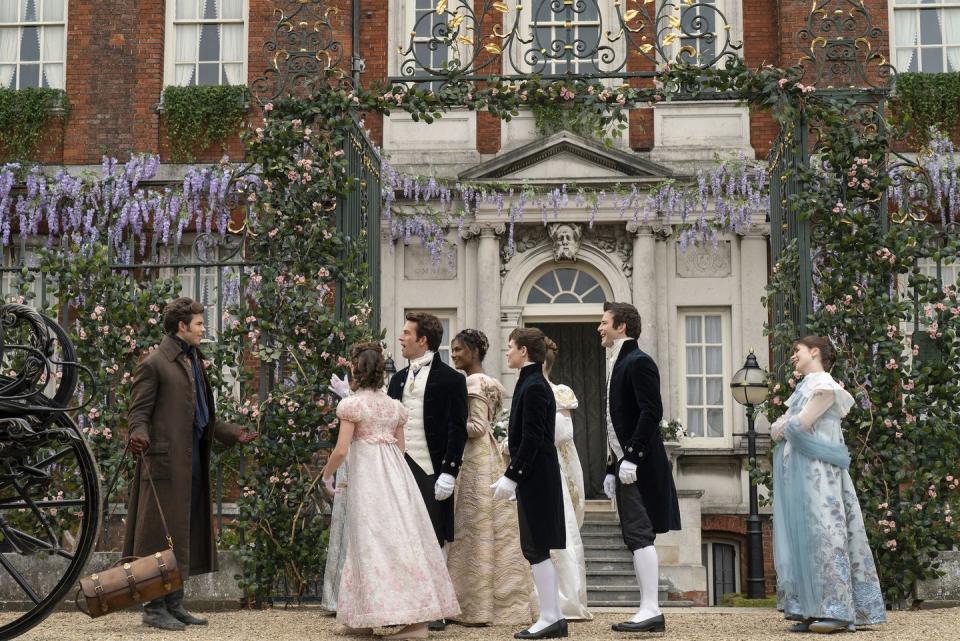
column 49, row 516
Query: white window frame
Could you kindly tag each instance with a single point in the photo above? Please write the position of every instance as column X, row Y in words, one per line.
column 170, row 40
column 41, row 31
column 11, row 257
column 732, row 11
column 213, row 309
column 708, row 543
column 725, row 441
column 448, row 317
column 894, row 8
column 407, row 11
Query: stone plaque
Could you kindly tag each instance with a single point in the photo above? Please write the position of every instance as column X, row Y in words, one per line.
column 704, row 261
column 418, row 264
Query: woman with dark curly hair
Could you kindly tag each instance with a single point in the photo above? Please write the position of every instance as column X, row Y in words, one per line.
column 493, row 581
column 394, row 572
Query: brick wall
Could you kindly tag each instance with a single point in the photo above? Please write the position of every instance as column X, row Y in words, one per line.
column 733, row 527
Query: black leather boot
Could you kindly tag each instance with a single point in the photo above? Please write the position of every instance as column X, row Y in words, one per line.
column 156, row 615
column 174, row 602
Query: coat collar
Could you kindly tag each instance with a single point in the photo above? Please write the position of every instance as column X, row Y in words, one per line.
column 628, row 347
column 529, row 370
column 172, row 349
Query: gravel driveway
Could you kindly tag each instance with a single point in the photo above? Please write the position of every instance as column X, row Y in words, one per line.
column 307, row 624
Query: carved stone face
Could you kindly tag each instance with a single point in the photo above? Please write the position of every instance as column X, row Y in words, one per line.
column 566, row 242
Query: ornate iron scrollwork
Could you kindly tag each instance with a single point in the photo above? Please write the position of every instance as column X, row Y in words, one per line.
column 842, row 46
column 562, row 38
column 303, row 51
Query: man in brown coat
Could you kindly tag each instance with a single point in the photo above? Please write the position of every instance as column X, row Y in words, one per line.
column 172, row 422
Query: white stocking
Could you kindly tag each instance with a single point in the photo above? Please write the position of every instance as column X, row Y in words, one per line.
column 648, row 577
column 548, row 591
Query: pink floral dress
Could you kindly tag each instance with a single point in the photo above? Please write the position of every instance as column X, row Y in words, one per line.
column 394, row 572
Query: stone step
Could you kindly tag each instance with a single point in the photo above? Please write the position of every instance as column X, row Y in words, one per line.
column 605, row 547
column 600, row 517
column 623, row 595
column 596, row 578
column 605, row 529
column 589, row 536
column 608, row 565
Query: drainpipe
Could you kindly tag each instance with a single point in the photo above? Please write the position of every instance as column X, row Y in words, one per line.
column 357, row 64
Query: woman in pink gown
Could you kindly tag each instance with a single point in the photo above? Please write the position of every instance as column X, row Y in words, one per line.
column 394, row 572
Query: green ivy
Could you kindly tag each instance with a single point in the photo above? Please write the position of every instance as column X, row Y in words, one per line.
column 24, row 114
column 926, row 100
column 551, row 118
column 201, row 115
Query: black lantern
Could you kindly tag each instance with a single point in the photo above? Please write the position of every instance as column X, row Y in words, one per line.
column 749, row 387
column 389, row 369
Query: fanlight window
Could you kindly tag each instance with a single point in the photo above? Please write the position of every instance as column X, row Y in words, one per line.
column 566, row 286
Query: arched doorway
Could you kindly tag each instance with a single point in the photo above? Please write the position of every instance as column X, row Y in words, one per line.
column 565, row 300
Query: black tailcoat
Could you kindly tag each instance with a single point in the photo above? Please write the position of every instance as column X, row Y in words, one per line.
column 636, row 410
column 445, row 428
column 533, row 459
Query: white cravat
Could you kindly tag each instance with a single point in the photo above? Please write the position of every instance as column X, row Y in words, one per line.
column 416, row 366
column 413, row 399
column 612, row 440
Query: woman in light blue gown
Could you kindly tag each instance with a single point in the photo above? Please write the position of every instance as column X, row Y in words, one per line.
column 826, row 575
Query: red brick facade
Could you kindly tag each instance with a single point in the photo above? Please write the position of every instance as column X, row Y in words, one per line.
column 733, row 528
column 115, row 69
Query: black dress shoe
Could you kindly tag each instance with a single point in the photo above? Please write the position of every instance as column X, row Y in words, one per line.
column 653, row 624
column 556, row 630
column 437, row 626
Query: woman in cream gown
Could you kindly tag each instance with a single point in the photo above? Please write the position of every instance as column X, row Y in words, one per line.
column 492, row 580
column 570, row 563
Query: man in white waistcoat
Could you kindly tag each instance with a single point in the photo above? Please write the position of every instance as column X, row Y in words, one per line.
column 435, row 395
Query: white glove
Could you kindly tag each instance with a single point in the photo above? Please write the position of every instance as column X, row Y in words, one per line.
column 610, row 486
column 628, row 472
column 328, row 484
column 340, row 386
column 504, row 488
column 443, row 489
column 779, row 425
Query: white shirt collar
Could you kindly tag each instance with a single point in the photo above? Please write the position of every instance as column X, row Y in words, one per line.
column 423, row 361
column 527, row 364
column 617, row 346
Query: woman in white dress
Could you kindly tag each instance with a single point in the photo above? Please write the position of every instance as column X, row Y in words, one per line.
column 394, row 571
column 570, row 563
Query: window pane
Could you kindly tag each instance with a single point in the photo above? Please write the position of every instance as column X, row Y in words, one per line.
column 208, row 74
column 595, row 295
column 931, row 60
column 232, row 50
column 209, row 43
column 187, row 9
column 29, row 76
column 536, row 297
column 30, row 11
column 233, row 70
column 548, row 283
column 53, row 75
column 590, row 12
column 186, row 37
column 590, row 37
column 8, row 54
column 715, row 423
column 566, row 276
column 544, row 12
column 231, row 9
column 694, row 390
column 693, row 329
column 53, row 41
column 713, row 329
column 930, row 33
column 953, row 58
column 30, row 44
column 210, row 9
column 585, row 282
column 566, row 298
column 694, row 360
column 53, row 10
column 695, row 422
column 714, row 391
column 185, row 75
column 8, row 11
column 714, row 360
column 445, row 339
column 8, row 70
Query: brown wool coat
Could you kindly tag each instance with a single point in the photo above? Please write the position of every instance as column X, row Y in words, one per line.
column 162, row 408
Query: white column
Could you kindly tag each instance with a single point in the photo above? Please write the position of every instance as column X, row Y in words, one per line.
column 645, row 285
column 662, row 245
column 488, row 287
column 469, row 247
column 390, row 269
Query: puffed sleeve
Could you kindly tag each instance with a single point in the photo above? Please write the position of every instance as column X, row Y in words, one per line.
column 350, row 409
column 566, row 399
column 478, row 416
column 403, row 413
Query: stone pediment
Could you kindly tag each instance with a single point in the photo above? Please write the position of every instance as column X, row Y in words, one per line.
column 566, row 157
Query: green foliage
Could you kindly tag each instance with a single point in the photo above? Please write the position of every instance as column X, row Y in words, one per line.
column 24, row 116
column 200, row 115
column 925, row 101
column 551, row 118
column 738, row 600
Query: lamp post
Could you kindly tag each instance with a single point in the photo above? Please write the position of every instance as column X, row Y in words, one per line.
column 749, row 387
column 389, row 369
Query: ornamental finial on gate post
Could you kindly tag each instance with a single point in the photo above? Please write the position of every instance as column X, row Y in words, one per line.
column 303, row 52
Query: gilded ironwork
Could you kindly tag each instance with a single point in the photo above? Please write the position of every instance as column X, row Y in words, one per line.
column 464, row 40
column 304, row 52
column 843, row 47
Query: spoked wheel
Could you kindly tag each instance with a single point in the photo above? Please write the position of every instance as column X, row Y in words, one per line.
column 49, row 517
